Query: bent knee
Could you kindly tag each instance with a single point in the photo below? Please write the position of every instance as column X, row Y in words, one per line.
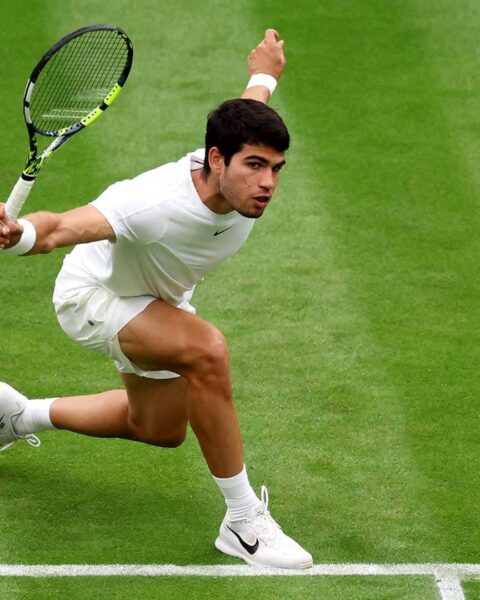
column 163, row 439
column 172, row 441
column 210, row 354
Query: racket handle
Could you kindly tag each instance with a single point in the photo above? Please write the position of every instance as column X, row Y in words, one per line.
column 17, row 198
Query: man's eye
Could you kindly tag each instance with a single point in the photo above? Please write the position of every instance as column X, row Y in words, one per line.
column 254, row 165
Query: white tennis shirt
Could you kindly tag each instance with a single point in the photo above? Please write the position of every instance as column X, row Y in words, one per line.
column 167, row 240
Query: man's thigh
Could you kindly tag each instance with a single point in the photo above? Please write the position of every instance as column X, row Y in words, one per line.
column 163, row 337
column 93, row 315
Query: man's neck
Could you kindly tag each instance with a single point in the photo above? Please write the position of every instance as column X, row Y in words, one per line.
column 208, row 189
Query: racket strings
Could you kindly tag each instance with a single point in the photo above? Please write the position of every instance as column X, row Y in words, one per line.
column 82, row 65
column 40, row 99
column 92, row 76
column 77, row 79
column 49, row 85
column 87, row 65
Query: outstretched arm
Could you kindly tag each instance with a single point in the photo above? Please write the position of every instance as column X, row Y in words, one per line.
column 268, row 57
column 87, row 224
column 55, row 230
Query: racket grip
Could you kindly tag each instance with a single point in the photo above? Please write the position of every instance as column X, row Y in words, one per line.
column 17, row 198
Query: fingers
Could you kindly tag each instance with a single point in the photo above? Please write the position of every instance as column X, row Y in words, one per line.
column 268, row 57
column 10, row 231
column 4, row 224
column 271, row 36
column 4, row 229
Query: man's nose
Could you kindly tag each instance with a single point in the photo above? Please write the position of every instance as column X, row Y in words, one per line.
column 268, row 180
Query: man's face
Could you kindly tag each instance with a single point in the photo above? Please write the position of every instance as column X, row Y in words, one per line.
column 248, row 182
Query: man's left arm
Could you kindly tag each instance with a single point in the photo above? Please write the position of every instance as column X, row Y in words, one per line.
column 266, row 63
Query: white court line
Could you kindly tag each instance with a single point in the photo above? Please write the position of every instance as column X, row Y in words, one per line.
column 447, row 575
column 438, row 570
column 450, row 588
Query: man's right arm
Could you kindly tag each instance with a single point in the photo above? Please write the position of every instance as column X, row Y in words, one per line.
column 57, row 230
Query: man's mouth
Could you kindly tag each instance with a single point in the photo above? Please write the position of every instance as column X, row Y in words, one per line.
column 262, row 199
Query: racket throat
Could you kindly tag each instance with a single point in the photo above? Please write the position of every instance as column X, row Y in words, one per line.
column 35, row 162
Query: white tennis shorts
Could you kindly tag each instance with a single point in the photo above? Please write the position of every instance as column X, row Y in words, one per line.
column 93, row 315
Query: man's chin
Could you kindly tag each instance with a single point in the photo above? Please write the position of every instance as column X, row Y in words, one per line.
column 251, row 214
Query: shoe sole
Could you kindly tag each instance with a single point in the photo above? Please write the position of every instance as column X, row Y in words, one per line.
column 226, row 548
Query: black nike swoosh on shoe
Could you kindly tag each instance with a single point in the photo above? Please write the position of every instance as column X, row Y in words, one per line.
column 222, row 230
column 251, row 549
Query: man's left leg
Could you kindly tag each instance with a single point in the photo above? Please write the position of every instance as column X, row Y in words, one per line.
column 148, row 410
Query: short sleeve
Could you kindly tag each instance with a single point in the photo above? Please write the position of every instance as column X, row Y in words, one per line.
column 132, row 212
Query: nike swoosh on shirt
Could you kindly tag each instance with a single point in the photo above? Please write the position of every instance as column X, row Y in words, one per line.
column 251, row 549
column 222, row 230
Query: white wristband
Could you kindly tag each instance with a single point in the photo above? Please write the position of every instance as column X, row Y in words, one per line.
column 264, row 79
column 26, row 242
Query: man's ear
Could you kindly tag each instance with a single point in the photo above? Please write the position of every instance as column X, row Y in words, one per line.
column 215, row 160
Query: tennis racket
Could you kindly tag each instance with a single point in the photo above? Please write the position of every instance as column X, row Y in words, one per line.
column 71, row 86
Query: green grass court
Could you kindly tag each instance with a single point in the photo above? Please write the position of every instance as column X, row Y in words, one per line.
column 352, row 313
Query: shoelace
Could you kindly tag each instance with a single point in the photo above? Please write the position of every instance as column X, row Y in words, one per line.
column 31, row 439
column 266, row 527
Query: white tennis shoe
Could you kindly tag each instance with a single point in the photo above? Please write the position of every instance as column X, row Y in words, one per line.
column 260, row 541
column 12, row 404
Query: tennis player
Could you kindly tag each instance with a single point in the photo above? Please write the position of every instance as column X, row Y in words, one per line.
column 125, row 291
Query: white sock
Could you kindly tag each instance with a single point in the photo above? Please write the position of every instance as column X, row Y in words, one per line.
column 240, row 498
column 35, row 417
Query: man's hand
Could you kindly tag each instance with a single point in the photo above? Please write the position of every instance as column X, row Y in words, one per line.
column 10, row 230
column 268, row 56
